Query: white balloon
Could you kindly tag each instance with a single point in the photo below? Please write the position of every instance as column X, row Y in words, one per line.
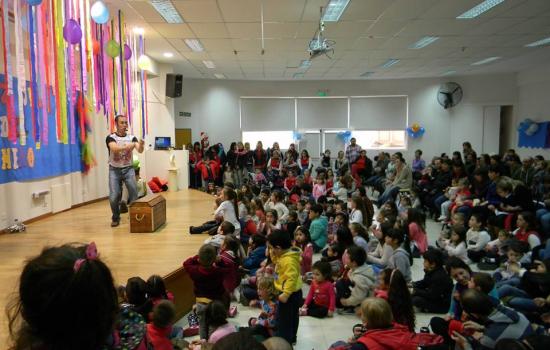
column 99, row 12
column 144, row 62
column 532, row 129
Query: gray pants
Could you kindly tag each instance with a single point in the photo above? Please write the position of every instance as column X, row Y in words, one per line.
column 200, row 309
column 117, row 176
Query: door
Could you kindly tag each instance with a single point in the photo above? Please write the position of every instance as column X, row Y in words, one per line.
column 311, row 141
column 491, row 129
column 183, row 137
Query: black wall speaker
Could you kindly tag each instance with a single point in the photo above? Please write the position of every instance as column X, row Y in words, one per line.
column 174, row 85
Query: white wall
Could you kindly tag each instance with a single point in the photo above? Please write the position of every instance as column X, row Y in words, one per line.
column 533, row 97
column 16, row 197
column 214, row 105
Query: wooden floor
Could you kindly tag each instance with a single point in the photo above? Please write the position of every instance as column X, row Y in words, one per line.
column 127, row 254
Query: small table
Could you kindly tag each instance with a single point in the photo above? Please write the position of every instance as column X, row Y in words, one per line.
column 173, row 179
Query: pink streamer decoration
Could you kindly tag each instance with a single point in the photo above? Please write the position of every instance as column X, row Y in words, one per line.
column 41, row 77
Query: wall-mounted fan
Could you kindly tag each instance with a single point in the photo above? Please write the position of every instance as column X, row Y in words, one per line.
column 449, row 95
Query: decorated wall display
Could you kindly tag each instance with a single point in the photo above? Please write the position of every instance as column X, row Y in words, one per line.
column 415, row 131
column 533, row 134
column 64, row 62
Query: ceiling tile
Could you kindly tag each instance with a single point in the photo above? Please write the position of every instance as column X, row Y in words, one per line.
column 244, row 30
column 448, row 9
column 385, row 28
column 212, row 45
column 240, row 10
column 198, row 11
column 174, row 30
column 209, row 30
column 406, row 9
column 530, row 26
column 283, row 10
column 343, row 29
column 281, row 30
column 495, row 26
column 365, row 10
column 147, row 11
column 247, row 44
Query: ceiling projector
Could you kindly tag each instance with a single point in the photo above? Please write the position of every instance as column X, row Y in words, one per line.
column 320, row 46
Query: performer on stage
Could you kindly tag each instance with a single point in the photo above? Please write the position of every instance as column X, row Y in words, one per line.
column 120, row 145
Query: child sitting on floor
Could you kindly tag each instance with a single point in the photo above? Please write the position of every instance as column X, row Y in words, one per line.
column 160, row 329
column 321, row 300
column 265, row 324
column 302, row 240
column 359, row 284
column 256, row 254
column 208, row 281
column 218, row 327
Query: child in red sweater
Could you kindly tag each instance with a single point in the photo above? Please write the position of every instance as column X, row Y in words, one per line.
column 321, row 299
column 207, row 282
column 158, row 331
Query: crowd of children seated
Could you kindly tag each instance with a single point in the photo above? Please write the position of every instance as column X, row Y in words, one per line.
column 295, row 240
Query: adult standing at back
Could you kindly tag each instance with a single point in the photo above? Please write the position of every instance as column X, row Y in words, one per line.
column 352, row 151
column 121, row 145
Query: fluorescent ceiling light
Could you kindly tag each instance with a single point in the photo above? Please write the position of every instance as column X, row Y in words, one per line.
column 305, row 64
column 479, row 9
column 367, row 74
column 219, row 76
column 425, row 41
column 139, row 31
column 539, row 43
column 209, row 64
column 168, row 54
column 449, row 72
column 487, row 60
column 298, row 75
column 194, row 45
column 334, row 10
column 167, row 11
column 390, row 62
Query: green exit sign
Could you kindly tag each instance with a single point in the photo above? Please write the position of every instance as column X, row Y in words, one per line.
column 185, row 114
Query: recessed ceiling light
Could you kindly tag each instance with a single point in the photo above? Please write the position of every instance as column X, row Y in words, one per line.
column 219, row 76
column 487, row 60
column 367, row 74
column 449, row 72
column 425, row 41
column 167, row 10
column 209, row 64
column 334, row 10
column 194, row 45
column 139, row 30
column 390, row 62
column 479, row 9
column 168, row 54
column 539, row 43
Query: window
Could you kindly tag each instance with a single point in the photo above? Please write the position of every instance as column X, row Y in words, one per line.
column 377, row 139
column 284, row 138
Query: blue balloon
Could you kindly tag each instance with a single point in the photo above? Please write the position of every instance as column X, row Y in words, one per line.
column 421, row 131
column 99, row 12
column 297, row 136
column 34, row 2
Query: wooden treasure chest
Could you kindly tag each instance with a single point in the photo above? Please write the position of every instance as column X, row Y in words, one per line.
column 148, row 213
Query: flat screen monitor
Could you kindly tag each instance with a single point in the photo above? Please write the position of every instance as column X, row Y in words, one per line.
column 162, row 142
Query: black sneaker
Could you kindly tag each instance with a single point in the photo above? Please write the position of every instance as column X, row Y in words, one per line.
column 115, row 223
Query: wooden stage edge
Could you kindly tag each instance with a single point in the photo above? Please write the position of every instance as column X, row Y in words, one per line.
column 127, row 254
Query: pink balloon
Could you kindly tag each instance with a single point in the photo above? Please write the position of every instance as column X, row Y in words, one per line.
column 127, row 52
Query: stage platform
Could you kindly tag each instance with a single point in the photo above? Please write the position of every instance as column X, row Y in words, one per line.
column 127, row 254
